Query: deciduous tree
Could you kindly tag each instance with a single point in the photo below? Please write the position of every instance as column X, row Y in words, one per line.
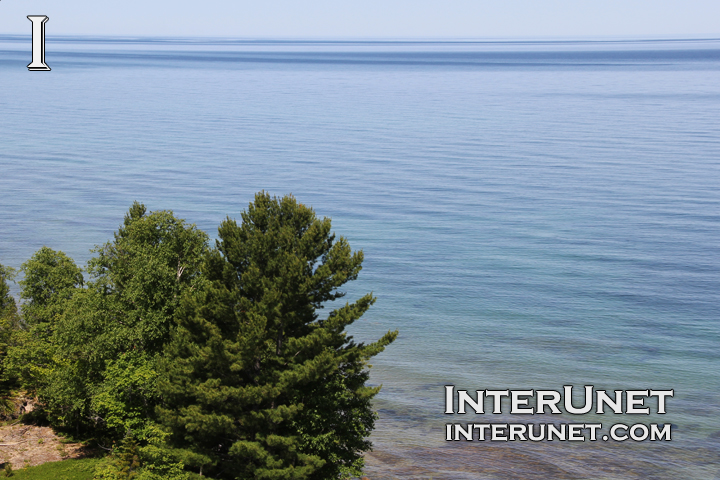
column 9, row 323
column 115, row 330
column 50, row 279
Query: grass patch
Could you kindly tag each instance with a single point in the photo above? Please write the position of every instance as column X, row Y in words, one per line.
column 82, row 469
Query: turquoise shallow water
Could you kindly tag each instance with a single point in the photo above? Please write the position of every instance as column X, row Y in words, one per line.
column 533, row 214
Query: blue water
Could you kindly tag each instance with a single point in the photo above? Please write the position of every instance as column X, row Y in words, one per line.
column 533, row 214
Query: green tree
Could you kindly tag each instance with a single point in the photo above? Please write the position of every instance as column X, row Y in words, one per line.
column 7, row 302
column 256, row 384
column 50, row 279
column 9, row 323
column 115, row 329
column 8, row 309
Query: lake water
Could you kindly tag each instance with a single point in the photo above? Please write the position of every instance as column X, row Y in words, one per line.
column 533, row 214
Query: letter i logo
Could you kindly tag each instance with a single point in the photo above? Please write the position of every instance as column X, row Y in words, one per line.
column 38, row 42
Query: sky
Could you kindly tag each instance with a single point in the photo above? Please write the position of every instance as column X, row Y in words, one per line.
column 314, row 19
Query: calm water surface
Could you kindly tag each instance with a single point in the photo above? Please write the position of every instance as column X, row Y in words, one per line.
column 533, row 214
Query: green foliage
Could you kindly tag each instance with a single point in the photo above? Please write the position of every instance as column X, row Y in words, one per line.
column 116, row 328
column 123, row 464
column 9, row 323
column 130, row 461
column 7, row 302
column 50, row 279
column 127, row 383
column 256, row 384
column 137, row 280
column 188, row 361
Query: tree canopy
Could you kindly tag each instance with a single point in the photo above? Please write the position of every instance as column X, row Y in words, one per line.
column 116, row 329
column 214, row 359
column 9, row 323
column 50, row 278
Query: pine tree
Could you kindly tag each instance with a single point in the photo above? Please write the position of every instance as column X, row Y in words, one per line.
column 256, row 384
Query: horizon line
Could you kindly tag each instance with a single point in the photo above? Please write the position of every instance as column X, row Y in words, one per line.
column 409, row 40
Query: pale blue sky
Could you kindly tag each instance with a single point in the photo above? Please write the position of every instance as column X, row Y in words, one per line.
column 369, row 18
